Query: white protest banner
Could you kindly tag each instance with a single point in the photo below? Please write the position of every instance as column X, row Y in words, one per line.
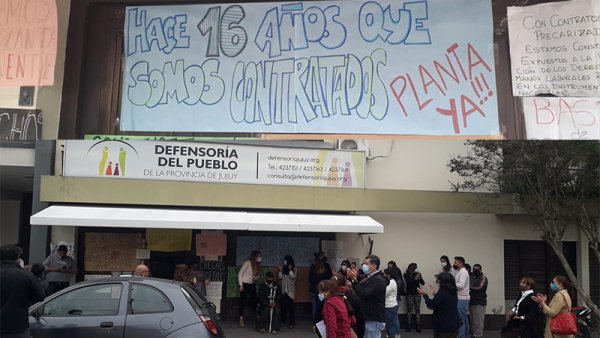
column 561, row 118
column 214, row 162
column 555, row 48
column 323, row 67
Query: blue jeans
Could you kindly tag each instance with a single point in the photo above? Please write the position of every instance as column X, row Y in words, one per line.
column 314, row 298
column 392, row 323
column 373, row 329
column 463, row 308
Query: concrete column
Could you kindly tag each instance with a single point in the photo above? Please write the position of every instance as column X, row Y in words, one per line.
column 44, row 165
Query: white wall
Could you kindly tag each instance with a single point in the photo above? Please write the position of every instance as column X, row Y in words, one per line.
column 423, row 237
column 412, row 164
column 10, row 213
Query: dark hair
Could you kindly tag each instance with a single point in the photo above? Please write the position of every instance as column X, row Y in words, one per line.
column 468, row 267
column 460, row 259
column 340, row 279
column 9, row 253
column 392, row 263
column 529, row 281
column 411, row 268
column 62, row 248
column 393, row 273
column 447, row 281
column 38, row 269
column 327, row 285
column 477, row 266
column 374, row 260
column 564, row 281
column 290, row 261
column 447, row 260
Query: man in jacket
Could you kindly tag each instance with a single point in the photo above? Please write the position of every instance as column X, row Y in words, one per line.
column 478, row 301
column 463, row 286
column 19, row 289
column 371, row 291
column 269, row 307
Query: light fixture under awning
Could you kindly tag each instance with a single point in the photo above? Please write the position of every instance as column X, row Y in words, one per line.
column 88, row 216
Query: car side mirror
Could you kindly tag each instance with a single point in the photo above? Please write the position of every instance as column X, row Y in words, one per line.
column 36, row 313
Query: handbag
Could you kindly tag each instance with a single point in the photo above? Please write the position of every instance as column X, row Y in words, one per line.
column 564, row 323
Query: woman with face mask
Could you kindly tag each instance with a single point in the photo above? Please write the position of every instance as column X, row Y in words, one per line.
column 561, row 302
column 287, row 275
column 445, row 264
column 337, row 314
column 344, row 267
column 413, row 279
column 247, row 277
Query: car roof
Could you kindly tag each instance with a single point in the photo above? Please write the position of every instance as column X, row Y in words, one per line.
column 159, row 282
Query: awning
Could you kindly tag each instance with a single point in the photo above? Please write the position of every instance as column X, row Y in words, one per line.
column 88, row 216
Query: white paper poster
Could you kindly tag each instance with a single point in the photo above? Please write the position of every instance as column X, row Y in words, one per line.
column 555, row 48
column 562, row 118
column 214, row 293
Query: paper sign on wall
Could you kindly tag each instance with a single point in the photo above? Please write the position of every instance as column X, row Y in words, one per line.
column 562, row 118
column 211, row 244
column 555, row 48
column 169, row 240
column 28, row 42
column 353, row 66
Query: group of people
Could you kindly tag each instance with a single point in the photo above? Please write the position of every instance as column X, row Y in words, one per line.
column 275, row 301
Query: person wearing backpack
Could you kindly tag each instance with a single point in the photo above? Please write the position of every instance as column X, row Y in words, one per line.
column 413, row 280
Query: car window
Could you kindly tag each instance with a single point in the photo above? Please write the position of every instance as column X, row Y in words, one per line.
column 146, row 299
column 194, row 296
column 93, row 300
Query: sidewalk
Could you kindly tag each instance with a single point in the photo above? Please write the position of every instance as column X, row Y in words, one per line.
column 303, row 330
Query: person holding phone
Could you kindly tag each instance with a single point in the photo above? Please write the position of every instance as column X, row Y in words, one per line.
column 59, row 269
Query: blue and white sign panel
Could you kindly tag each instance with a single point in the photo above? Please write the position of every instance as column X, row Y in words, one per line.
column 353, row 67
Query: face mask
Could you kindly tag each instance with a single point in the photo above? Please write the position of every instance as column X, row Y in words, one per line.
column 443, row 264
column 455, row 267
column 321, row 297
column 364, row 268
column 476, row 272
column 258, row 259
column 284, row 262
column 21, row 263
column 390, row 266
column 553, row 287
column 344, row 267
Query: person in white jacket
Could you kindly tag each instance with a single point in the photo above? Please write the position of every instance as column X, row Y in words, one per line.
column 247, row 277
column 463, row 286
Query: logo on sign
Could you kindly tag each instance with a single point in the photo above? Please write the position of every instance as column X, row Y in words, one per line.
column 111, row 157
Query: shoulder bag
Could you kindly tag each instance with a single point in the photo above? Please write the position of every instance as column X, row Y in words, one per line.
column 564, row 323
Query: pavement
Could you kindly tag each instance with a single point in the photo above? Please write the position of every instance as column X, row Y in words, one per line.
column 303, row 330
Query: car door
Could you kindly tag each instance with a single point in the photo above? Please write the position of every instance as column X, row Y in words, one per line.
column 150, row 314
column 91, row 311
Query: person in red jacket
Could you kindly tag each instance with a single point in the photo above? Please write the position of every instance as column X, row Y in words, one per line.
column 336, row 316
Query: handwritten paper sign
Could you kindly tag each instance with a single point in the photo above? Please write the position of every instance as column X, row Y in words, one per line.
column 555, row 48
column 353, row 66
column 562, row 118
column 211, row 244
column 214, row 294
column 111, row 251
column 169, row 240
column 20, row 124
column 28, row 42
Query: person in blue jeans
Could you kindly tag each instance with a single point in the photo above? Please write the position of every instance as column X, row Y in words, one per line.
column 463, row 287
column 392, row 323
column 371, row 291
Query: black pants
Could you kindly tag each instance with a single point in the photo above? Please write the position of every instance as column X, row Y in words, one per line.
column 287, row 306
column 262, row 321
column 248, row 296
column 54, row 287
column 445, row 334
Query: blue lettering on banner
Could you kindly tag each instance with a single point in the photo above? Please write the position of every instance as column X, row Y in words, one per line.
column 310, row 67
